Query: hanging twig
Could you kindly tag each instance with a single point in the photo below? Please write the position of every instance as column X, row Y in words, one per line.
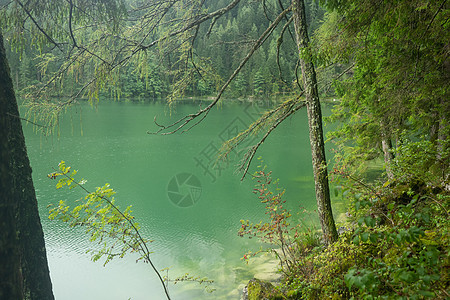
column 49, row 38
column 182, row 122
column 248, row 157
column 26, row 120
column 279, row 42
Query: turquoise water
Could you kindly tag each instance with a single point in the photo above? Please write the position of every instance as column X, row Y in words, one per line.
column 196, row 234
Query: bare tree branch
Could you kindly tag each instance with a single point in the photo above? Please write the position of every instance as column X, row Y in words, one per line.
column 271, row 119
column 26, row 120
column 265, row 11
column 6, row 5
column 182, row 122
column 289, row 29
column 70, row 23
column 279, row 42
column 241, row 42
column 434, row 17
column 296, row 75
column 248, row 157
column 191, row 25
column 49, row 38
column 285, row 110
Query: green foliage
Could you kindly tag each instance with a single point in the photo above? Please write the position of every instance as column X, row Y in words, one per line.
column 320, row 275
column 258, row 83
column 114, row 230
column 257, row 289
column 403, row 225
column 399, row 80
column 423, row 160
column 407, row 264
column 394, row 244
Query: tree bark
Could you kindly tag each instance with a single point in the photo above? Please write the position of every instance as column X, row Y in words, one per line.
column 10, row 277
column 35, row 277
column 442, row 133
column 386, row 145
column 315, row 125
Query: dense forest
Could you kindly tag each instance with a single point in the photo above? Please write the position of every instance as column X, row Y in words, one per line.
column 386, row 63
column 267, row 74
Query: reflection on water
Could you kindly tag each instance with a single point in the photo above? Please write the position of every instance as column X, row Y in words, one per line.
column 200, row 239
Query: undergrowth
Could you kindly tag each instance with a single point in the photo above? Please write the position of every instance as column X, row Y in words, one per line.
column 393, row 245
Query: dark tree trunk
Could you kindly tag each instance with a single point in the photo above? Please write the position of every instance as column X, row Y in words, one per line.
column 34, row 268
column 10, row 279
column 17, row 79
column 315, row 125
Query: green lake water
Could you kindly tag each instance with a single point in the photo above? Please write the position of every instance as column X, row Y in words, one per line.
column 196, row 234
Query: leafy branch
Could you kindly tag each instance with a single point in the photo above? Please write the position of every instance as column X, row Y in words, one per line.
column 103, row 219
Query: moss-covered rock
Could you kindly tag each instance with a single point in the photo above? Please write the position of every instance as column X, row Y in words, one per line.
column 260, row 290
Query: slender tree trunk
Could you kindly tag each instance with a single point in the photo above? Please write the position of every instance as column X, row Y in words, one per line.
column 386, row 145
column 442, row 130
column 438, row 135
column 315, row 125
column 33, row 258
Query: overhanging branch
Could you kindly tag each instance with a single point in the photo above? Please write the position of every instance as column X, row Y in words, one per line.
column 182, row 122
column 49, row 38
